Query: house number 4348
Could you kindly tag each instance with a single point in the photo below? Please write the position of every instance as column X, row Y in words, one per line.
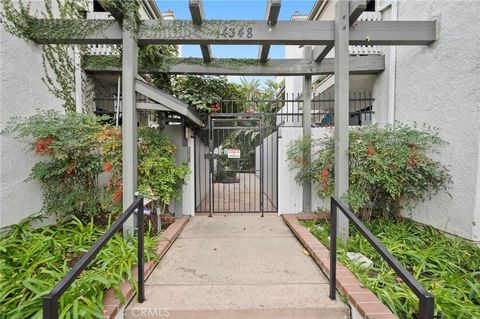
column 240, row 32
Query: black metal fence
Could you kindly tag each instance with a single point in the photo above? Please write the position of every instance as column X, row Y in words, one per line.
column 426, row 300
column 50, row 301
column 288, row 109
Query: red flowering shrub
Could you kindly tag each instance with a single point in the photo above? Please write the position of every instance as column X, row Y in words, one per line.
column 390, row 167
column 42, row 146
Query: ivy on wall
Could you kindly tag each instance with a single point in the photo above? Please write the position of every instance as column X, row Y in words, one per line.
column 126, row 12
column 57, row 60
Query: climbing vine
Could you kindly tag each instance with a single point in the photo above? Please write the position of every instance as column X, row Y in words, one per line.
column 126, row 12
column 57, row 60
column 163, row 63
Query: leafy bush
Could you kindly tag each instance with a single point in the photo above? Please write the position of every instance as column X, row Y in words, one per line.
column 448, row 268
column 75, row 148
column 33, row 261
column 204, row 92
column 70, row 161
column 160, row 177
column 390, row 167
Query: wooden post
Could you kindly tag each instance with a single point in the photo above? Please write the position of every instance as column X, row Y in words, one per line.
column 129, row 123
column 307, row 129
column 342, row 107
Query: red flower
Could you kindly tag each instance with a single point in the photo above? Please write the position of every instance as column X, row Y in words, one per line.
column 107, row 166
column 70, row 169
column 117, row 196
column 215, row 107
column 411, row 163
column 324, row 173
column 370, row 150
column 42, row 146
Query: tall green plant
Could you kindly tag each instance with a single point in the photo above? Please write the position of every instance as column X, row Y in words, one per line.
column 159, row 175
column 391, row 167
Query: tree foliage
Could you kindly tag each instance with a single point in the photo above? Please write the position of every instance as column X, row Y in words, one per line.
column 202, row 92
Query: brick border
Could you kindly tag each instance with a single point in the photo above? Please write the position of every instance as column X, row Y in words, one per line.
column 111, row 304
column 364, row 300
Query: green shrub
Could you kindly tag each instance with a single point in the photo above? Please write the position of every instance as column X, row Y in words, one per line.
column 70, row 161
column 448, row 268
column 159, row 175
column 390, row 167
column 74, row 148
column 33, row 261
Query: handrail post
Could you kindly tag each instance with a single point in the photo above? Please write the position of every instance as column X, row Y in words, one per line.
column 50, row 307
column 140, row 234
column 426, row 307
column 333, row 248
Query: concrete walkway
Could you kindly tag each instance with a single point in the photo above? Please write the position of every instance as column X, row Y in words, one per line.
column 237, row 266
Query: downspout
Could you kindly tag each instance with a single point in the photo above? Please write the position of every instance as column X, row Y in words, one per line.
column 392, row 71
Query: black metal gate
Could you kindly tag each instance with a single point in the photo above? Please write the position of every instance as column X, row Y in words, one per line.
column 236, row 165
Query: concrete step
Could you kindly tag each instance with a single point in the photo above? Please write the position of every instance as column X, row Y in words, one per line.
column 238, row 301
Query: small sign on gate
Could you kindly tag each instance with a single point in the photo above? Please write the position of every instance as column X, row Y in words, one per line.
column 233, row 153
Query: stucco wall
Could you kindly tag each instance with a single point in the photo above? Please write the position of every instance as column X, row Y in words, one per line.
column 21, row 93
column 439, row 85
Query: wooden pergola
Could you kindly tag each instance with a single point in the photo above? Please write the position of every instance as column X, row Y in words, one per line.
column 343, row 31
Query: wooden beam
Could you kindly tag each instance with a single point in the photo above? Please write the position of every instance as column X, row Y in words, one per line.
column 153, row 106
column 371, row 64
column 197, row 13
column 393, row 33
column 168, row 101
column 356, row 9
column 319, row 52
column 307, row 131
column 129, row 124
column 235, row 32
column 341, row 109
column 271, row 16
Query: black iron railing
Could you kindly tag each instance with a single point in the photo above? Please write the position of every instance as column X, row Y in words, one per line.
column 50, row 301
column 426, row 300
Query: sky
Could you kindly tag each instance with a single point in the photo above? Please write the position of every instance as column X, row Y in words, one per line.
column 239, row 10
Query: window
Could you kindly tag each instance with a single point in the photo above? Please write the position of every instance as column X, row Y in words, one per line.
column 371, row 6
column 97, row 7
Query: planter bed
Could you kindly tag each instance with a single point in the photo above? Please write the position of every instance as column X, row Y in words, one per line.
column 447, row 267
